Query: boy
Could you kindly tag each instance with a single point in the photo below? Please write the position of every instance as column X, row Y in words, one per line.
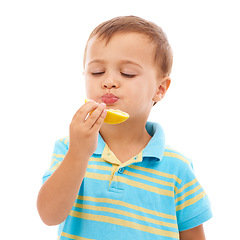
column 120, row 181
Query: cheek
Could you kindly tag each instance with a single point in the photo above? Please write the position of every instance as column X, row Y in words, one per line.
column 132, row 93
column 89, row 87
column 93, row 90
column 135, row 97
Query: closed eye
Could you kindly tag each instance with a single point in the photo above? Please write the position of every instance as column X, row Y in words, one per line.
column 97, row 73
column 128, row 75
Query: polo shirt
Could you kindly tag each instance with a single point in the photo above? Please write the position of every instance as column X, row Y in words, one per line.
column 154, row 195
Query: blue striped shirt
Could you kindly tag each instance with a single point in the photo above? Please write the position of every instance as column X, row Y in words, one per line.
column 154, row 195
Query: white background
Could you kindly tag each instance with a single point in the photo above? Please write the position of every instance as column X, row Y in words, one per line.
column 41, row 51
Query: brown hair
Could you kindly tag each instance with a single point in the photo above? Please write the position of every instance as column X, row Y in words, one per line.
column 163, row 53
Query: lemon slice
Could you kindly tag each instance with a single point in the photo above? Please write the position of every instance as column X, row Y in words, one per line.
column 115, row 116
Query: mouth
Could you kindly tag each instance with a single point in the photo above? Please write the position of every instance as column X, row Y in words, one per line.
column 109, row 98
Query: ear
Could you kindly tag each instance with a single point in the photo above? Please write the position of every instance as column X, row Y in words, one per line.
column 162, row 89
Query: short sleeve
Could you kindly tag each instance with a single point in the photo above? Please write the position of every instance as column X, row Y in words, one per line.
column 59, row 152
column 191, row 202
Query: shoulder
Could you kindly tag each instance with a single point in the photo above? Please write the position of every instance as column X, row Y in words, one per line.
column 61, row 145
column 172, row 155
column 63, row 141
column 177, row 163
column 59, row 152
column 60, row 149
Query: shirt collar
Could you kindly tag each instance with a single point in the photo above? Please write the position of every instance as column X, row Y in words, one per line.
column 155, row 147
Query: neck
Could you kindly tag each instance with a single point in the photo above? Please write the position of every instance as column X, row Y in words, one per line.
column 125, row 134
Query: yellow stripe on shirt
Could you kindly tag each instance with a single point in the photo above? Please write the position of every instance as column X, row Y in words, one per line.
column 58, row 155
column 137, row 175
column 190, row 201
column 186, row 186
column 156, row 172
column 128, row 205
column 145, row 186
column 150, row 179
column 124, row 223
column 54, row 167
column 132, row 183
column 188, row 193
column 175, row 155
column 105, row 168
column 65, row 139
column 70, row 236
column 125, row 213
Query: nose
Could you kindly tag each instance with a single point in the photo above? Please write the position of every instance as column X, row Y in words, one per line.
column 109, row 83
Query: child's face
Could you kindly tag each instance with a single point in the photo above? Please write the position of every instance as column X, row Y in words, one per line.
column 125, row 68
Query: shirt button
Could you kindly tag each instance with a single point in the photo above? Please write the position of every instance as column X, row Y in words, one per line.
column 121, row 170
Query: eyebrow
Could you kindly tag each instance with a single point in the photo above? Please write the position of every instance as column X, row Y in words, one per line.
column 131, row 62
column 96, row 61
column 122, row 62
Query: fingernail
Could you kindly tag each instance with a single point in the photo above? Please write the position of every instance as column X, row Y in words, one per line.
column 103, row 104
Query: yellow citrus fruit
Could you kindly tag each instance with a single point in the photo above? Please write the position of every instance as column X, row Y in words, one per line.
column 115, row 116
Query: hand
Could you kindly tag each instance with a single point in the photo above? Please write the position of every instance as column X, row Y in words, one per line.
column 85, row 127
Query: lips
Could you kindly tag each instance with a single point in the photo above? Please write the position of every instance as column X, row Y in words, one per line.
column 109, row 98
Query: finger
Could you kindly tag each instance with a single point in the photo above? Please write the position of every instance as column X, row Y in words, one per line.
column 93, row 117
column 84, row 111
column 97, row 125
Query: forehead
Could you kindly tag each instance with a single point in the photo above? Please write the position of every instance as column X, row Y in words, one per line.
column 121, row 46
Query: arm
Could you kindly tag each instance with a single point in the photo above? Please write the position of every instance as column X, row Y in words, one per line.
column 57, row 195
column 196, row 233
